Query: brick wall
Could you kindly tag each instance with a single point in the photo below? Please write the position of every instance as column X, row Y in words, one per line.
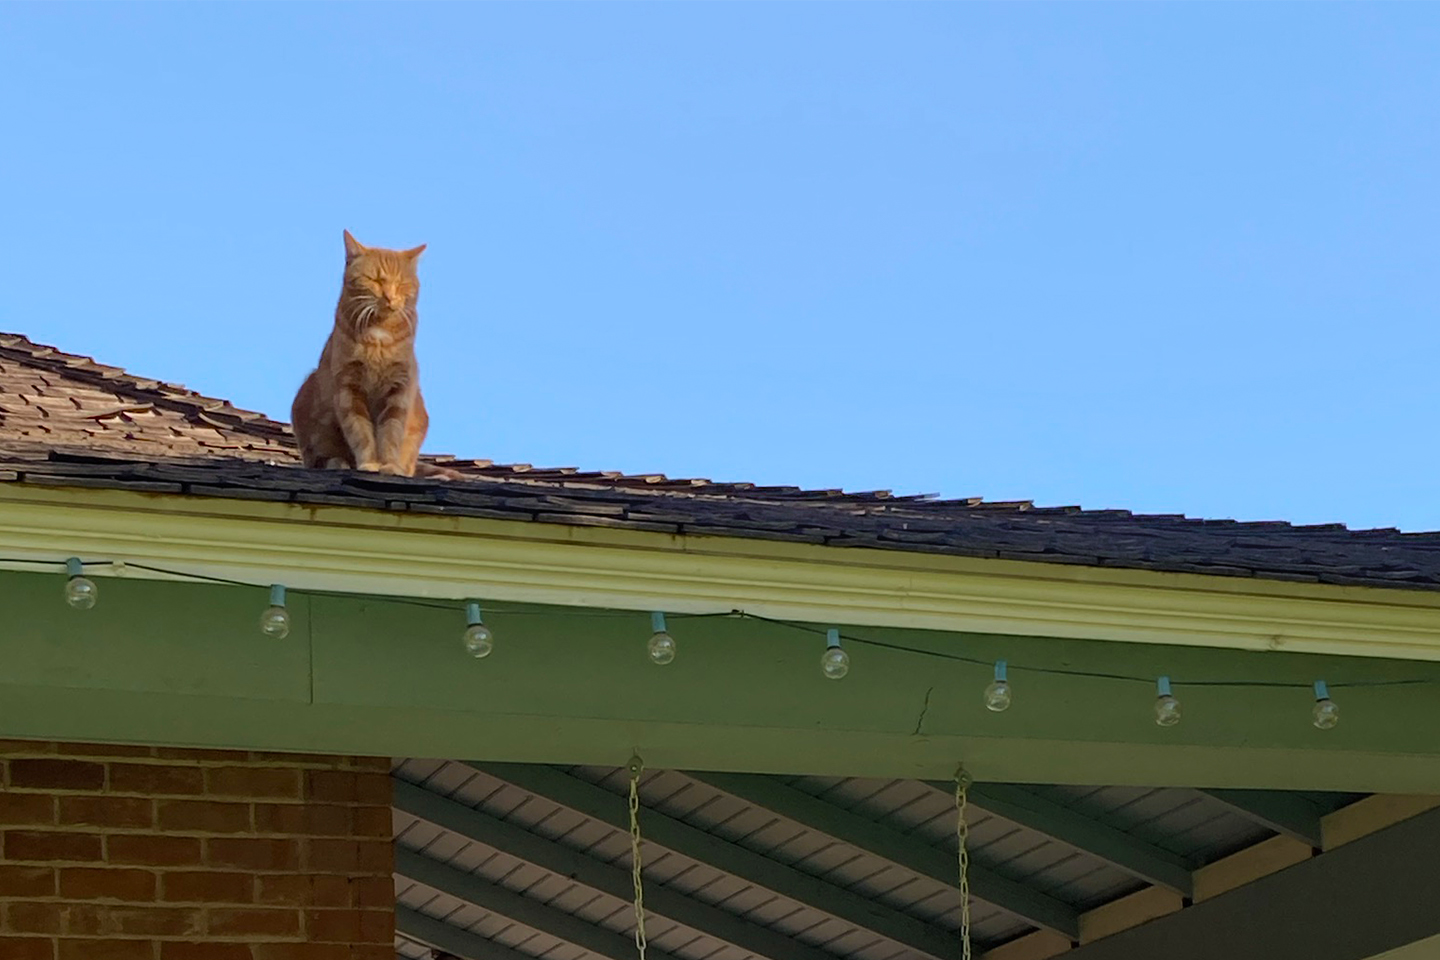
column 149, row 853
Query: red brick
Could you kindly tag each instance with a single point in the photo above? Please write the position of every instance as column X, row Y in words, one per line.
column 48, row 774
column 308, row 819
column 26, row 881
column 350, row 926
column 28, row 948
column 331, row 786
column 156, row 780
column 26, row 809
column 208, row 887
column 105, row 950
column 253, row 922
column 372, row 892
column 154, row 851
column 28, row 845
column 107, row 811
column 307, row 759
column 171, row 950
column 204, row 816
column 378, row 822
column 373, row 788
column 383, row 764
column 199, row 753
column 373, row 951
column 103, row 750
column 276, row 782
column 332, row 926
column 303, row 951
column 24, row 917
column 332, row 856
column 104, row 920
column 19, row 747
column 305, row 891
column 253, row 854
column 349, row 786
column 98, row 883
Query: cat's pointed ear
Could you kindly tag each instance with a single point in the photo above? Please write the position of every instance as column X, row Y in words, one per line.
column 353, row 247
column 414, row 252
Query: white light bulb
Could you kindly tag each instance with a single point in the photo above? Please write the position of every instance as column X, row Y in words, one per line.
column 661, row 646
column 478, row 639
column 1326, row 712
column 1167, row 711
column 80, row 591
column 275, row 621
column 997, row 694
column 1167, row 708
column 834, row 662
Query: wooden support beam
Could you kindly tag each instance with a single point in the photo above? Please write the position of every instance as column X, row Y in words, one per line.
column 523, row 910
column 458, row 943
column 1285, row 813
column 601, row 877
column 859, row 911
column 770, row 794
column 1363, row 898
column 1085, row 834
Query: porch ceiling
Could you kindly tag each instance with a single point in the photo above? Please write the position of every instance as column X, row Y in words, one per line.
column 524, row 861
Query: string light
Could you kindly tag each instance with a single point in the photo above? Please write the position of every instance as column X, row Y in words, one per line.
column 1167, row 708
column 997, row 695
column 662, row 645
column 479, row 641
column 834, row 662
column 275, row 621
column 80, row 590
column 82, row 593
column 1326, row 713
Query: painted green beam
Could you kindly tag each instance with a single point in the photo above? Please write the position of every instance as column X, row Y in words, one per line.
column 1142, row 860
column 1285, row 813
column 186, row 665
column 613, row 881
column 439, row 935
column 844, row 905
column 882, row 841
column 496, row 899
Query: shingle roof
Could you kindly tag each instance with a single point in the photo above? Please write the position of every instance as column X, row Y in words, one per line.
column 66, row 420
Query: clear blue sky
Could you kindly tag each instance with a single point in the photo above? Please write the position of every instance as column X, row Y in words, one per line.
column 1175, row 258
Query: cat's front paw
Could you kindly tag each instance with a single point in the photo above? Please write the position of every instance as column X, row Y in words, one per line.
column 392, row 469
column 373, row 466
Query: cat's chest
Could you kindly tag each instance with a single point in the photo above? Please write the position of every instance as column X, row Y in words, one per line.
column 380, row 357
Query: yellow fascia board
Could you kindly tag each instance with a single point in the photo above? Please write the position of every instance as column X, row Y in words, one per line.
column 426, row 555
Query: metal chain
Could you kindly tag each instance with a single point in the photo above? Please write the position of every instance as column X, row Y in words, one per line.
column 636, row 766
column 962, row 835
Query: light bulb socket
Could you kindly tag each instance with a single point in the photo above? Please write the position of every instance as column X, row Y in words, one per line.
column 657, row 622
column 277, row 595
column 1000, row 671
column 832, row 639
column 1322, row 691
column 74, row 568
column 472, row 614
column 1162, row 687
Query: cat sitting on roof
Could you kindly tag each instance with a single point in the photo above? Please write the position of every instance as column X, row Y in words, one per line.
column 361, row 408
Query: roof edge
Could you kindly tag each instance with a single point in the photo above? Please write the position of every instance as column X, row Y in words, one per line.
column 314, row 546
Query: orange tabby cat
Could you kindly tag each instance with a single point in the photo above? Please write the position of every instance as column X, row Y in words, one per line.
column 361, row 407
